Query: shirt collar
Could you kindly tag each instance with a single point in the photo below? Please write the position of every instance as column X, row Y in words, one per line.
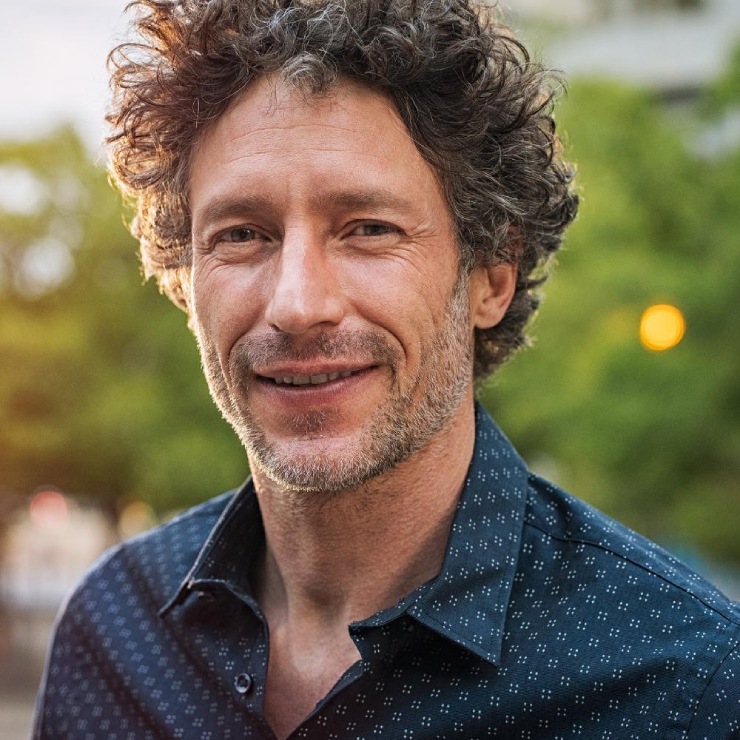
column 466, row 603
column 228, row 551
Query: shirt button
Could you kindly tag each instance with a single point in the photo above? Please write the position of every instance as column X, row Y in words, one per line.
column 243, row 683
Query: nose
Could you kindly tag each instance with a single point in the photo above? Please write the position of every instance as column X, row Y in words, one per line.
column 305, row 292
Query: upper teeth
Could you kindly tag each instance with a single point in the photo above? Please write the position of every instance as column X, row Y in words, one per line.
column 312, row 379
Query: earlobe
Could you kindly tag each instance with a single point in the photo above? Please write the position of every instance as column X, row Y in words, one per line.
column 492, row 288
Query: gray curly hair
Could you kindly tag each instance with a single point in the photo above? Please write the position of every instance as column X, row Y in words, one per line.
column 478, row 108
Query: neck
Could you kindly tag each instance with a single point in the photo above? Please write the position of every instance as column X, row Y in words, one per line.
column 341, row 557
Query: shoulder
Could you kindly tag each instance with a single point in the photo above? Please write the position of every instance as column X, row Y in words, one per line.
column 618, row 590
column 111, row 619
column 156, row 562
column 594, row 540
column 621, row 602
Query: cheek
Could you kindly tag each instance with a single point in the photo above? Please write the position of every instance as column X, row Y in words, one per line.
column 407, row 304
column 225, row 303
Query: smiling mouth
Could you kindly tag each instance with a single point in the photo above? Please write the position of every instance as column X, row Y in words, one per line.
column 312, row 379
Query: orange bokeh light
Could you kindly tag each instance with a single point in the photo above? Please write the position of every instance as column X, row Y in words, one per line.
column 48, row 509
column 662, row 327
column 135, row 518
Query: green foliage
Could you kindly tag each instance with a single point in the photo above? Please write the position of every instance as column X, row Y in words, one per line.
column 651, row 438
column 101, row 391
column 725, row 91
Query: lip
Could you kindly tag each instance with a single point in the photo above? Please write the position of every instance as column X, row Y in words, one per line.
column 310, row 394
column 317, row 379
column 296, row 375
column 308, row 370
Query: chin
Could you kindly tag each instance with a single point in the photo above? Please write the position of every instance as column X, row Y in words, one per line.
column 329, row 471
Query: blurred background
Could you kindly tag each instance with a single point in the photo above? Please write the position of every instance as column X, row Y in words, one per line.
column 629, row 396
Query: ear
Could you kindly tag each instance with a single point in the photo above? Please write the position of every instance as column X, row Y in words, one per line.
column 491, row 290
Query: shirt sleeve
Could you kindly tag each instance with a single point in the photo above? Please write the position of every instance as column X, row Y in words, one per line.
column 718, row 712
column 71, row 684
column 56, row 696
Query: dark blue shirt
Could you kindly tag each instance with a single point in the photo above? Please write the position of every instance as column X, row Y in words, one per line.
column 548, row 620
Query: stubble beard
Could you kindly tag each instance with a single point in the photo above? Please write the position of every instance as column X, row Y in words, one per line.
column 404, row 424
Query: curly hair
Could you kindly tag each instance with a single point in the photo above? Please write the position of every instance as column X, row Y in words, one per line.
column 478, row 108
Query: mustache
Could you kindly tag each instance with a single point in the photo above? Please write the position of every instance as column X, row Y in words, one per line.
column 356, row 346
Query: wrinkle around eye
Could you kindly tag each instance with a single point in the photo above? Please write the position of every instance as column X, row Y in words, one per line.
column 236, row 244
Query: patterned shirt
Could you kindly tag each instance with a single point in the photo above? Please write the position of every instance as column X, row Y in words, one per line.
column 548, row 620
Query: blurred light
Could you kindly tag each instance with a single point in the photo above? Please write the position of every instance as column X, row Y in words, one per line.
column 136, row 518
column 49, row 510
column 44, row 266
column 662, row 327
column 21, row 191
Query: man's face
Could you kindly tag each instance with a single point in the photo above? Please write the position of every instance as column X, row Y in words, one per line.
column 335, row 334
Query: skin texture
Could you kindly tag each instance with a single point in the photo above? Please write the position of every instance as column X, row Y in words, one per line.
column 322, row 244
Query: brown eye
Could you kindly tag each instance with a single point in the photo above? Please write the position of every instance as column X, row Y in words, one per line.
column 240, row 234
column 371, row 229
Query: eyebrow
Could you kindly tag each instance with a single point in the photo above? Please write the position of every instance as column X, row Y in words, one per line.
column 222, row 209
column 377, row 199
column 373, row 199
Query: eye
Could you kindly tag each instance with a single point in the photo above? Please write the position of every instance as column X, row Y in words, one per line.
column 238, row 235
column 373, row 229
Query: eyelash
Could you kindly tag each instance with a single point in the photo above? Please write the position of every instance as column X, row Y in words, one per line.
column 251, row 234
column 385, row 228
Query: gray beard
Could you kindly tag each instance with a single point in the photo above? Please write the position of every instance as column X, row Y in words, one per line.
column 398, row 429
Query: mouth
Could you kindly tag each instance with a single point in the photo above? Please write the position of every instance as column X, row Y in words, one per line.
column 312, row 380
column 319, row 379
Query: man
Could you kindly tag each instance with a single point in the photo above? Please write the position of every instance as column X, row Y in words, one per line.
column 354, row 203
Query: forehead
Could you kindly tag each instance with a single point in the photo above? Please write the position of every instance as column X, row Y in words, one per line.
column 270, row 102
column 351, row 133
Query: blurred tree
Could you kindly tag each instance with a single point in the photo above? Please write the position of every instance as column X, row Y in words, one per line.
column 101, row 391
column 100, row 387
column 725, row 92
column 652, row 438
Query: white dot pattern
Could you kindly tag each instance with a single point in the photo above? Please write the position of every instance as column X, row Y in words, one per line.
column 548, row 621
